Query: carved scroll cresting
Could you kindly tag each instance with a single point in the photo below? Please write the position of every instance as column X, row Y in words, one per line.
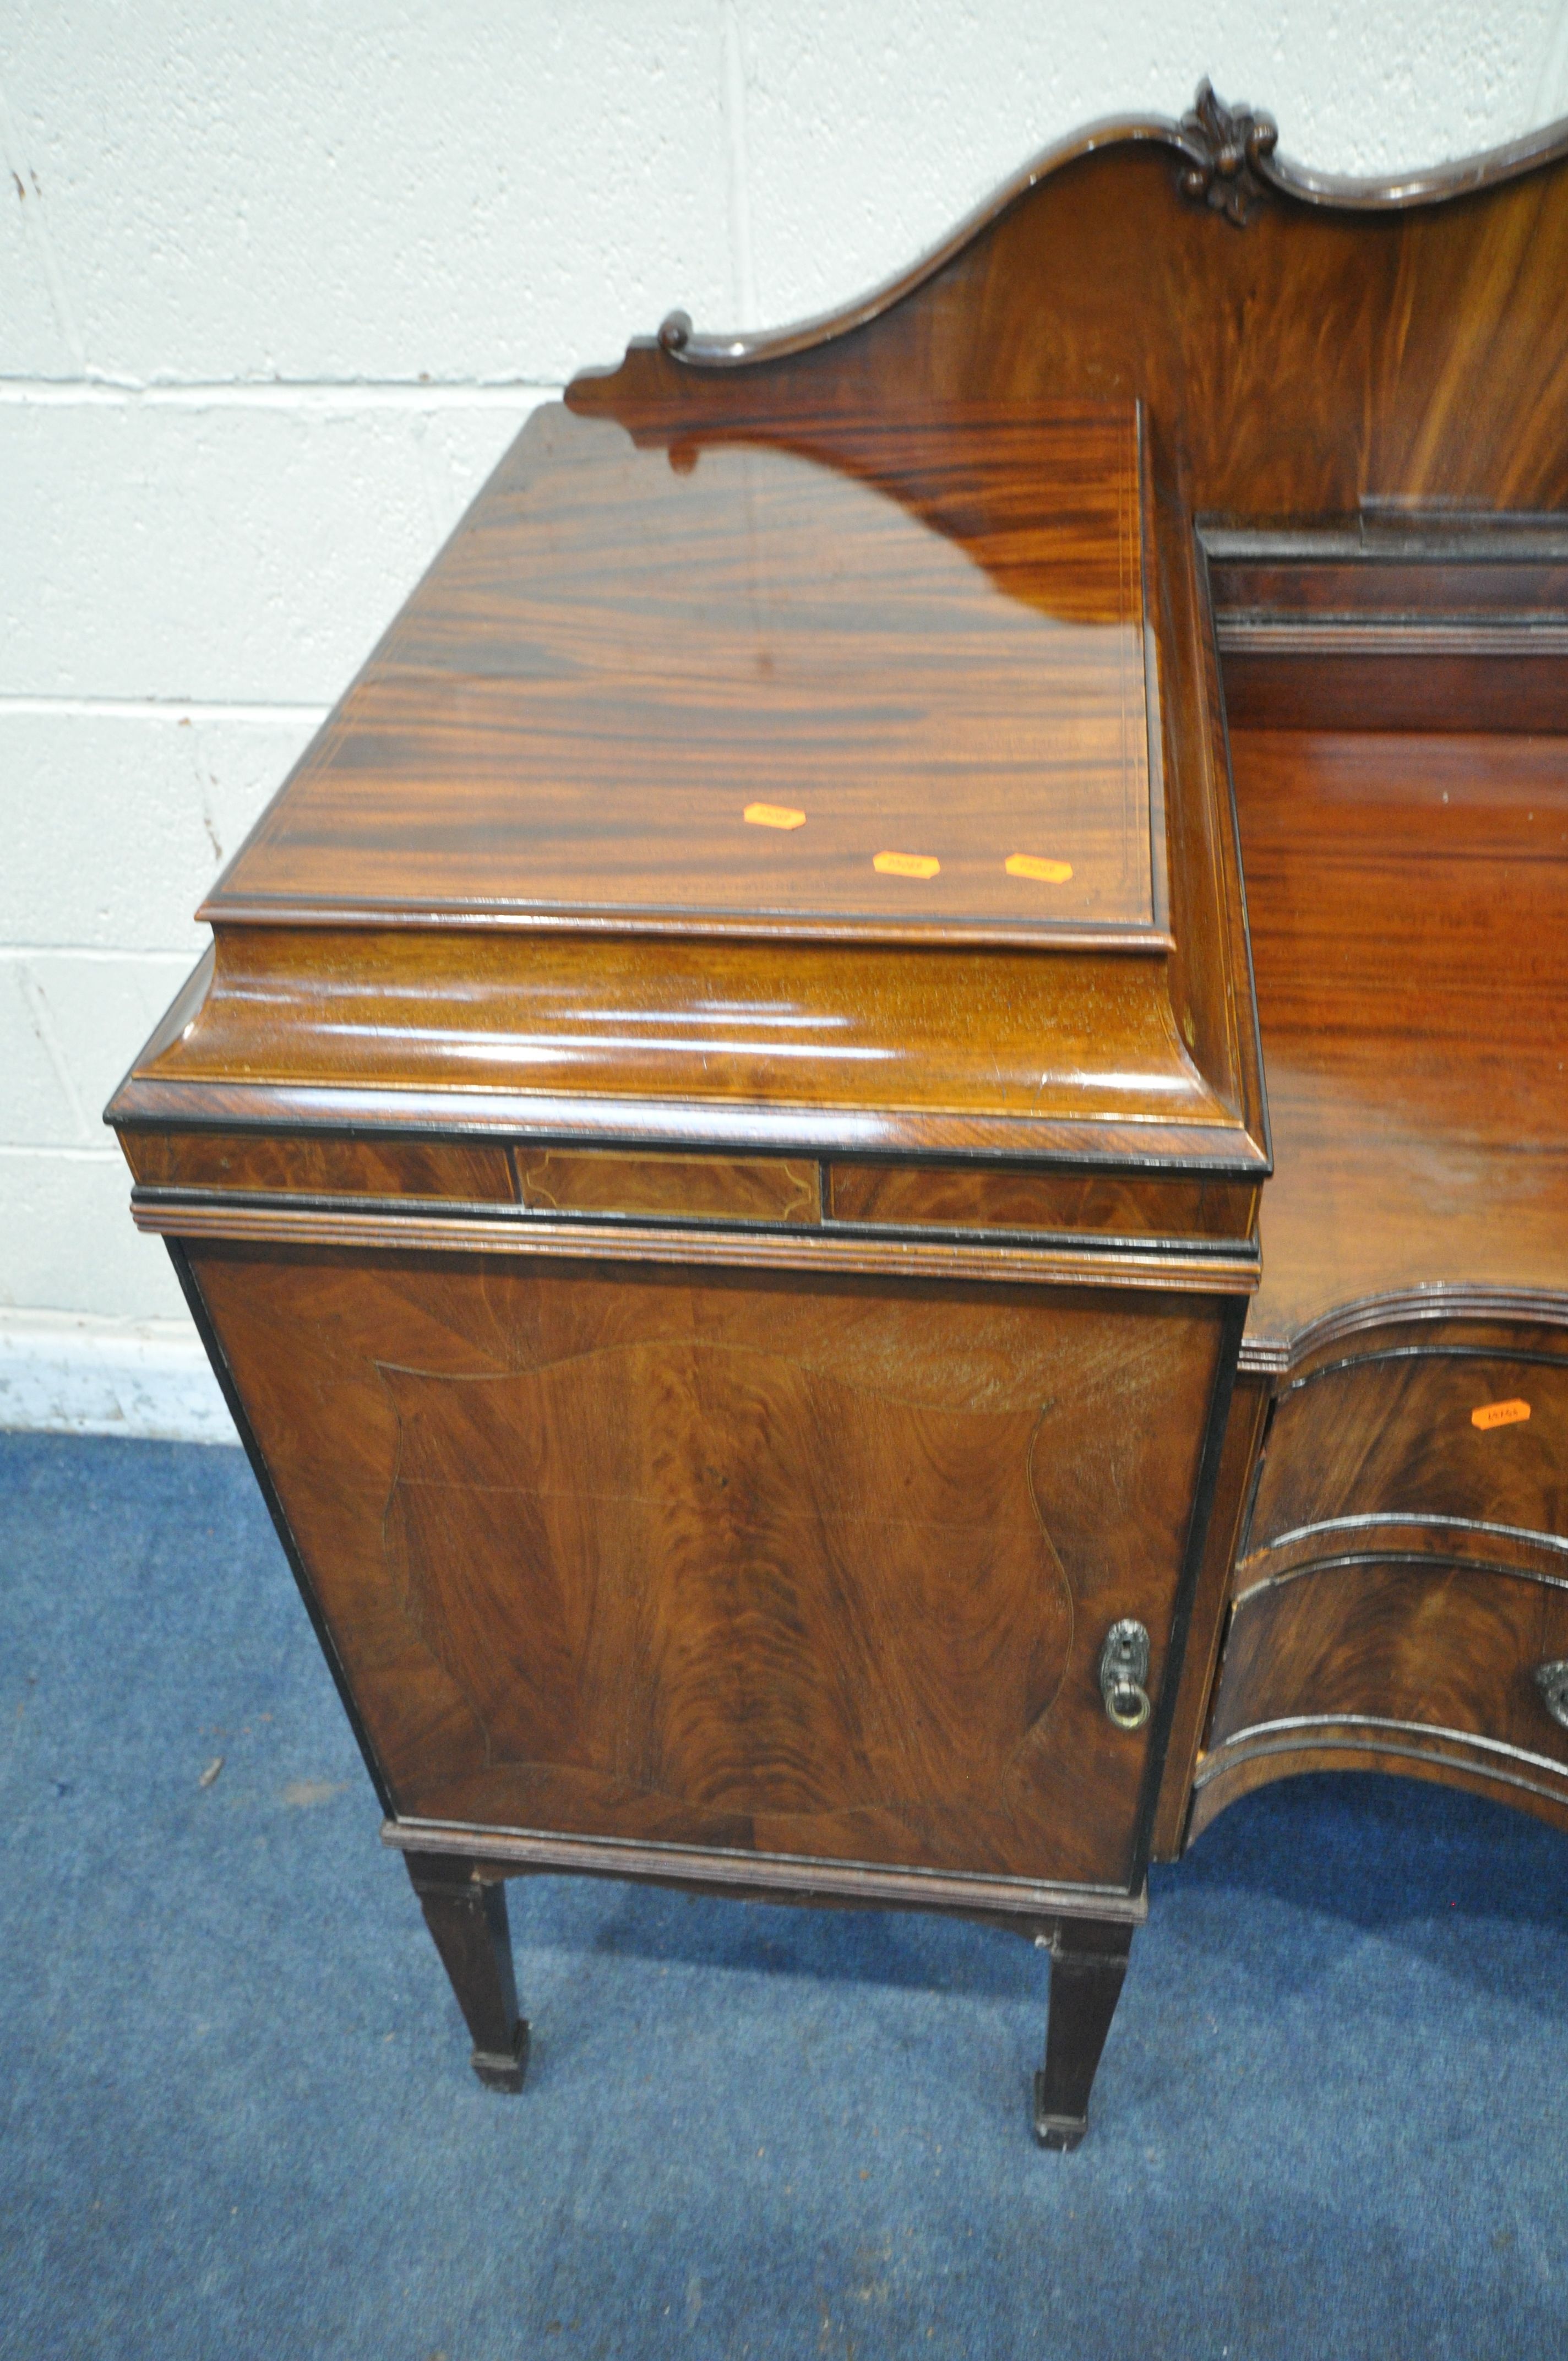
column 1234, row 146
column 1228, row 160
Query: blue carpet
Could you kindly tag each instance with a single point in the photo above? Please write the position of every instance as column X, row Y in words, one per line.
column 238, row 2118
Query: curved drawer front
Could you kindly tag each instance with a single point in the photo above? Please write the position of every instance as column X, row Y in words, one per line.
column 1395, row 1659
column 1438, row 1432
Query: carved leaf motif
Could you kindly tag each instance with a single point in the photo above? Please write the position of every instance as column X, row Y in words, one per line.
column 1233, row 145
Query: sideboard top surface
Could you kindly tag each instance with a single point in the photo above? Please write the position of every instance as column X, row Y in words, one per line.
column 736, row 689
column 848, row 782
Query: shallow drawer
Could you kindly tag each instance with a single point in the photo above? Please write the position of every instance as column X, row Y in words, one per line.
column 957, row 1196
column 1417, row 1660
column 1422, row 1433
column 451, row 1170
column 674, row 1187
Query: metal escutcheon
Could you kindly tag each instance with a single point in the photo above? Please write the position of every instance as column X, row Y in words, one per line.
column 1124, row 1669
column 1551, row 1680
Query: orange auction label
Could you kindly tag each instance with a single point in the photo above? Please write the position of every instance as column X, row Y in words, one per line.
column 773, row 816
column 905, row 864
column 1031, row 864
column 1508, row 1413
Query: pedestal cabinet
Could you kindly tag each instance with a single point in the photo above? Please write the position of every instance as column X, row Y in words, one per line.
column 718, row 1150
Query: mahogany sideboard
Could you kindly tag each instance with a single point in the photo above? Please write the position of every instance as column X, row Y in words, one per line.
column 720, row 1150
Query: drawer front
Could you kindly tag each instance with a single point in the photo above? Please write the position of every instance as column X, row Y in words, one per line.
column 314, row 1164
column 670, row 1186
column 1095, row 1204
column 1425, row 1432
column 730, row 1561
column 1408, row 1662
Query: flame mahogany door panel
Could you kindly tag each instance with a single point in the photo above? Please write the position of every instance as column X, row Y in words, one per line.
column 708, row 1559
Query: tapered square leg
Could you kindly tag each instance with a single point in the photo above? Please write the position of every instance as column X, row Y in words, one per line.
column 1088, row 1960
column 468, row 1920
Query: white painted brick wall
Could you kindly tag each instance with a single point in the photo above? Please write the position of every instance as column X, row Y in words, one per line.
column 277, row 287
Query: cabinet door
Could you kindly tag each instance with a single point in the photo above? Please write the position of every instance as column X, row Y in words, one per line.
column 730, row 1560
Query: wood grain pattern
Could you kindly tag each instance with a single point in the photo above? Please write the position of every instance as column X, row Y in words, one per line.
column 1509, row 1320
column 1223, row 156
column 1408, row 905
column 1391, row 1434
column 683, row 1188
column 315, row 1165
column 699, row 1044
column 1415, row 627
column 1500, row 572
column 1391, row 1662
column 1319, row 363
column 1398, row 1567
column 545, row 1026
column 668, row 1555
column 626, row 1563
column 975, row 1197
column 1452, row 1541
column 1335, row 684
column 620, row 650
column 1392, row 1753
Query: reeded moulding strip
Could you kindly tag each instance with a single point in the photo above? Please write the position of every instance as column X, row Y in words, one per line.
column 1340, row 635
column 919, row 1889
column 1292, row 1732
column 1280, row 1357
column 1194, row 1272
column 1131, row 937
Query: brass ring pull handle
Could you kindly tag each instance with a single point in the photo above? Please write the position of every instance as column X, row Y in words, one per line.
column 1124, row 1669
column 1551, row 1680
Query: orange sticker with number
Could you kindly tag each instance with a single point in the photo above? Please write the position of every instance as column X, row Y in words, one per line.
column 1033, row 864
column 1508, row 1413
column 905, row 864
column 773, row 816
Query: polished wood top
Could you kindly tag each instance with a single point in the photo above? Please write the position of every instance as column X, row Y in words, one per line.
column 734, row 688
column 853, row 786
column 1408, row 904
